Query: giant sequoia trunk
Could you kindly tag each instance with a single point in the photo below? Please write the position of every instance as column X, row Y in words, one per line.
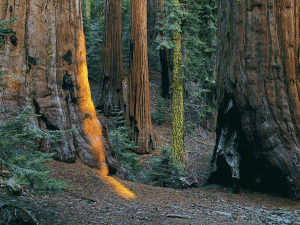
column 138, row 106
column 258, row 123
column 111, row 97
column 46, row 67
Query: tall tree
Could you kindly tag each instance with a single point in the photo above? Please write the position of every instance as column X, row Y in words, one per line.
column 138, row 106
column 258, row 126
column 112, row 76
column 177, row 97
column 163, row 55
column 87, row 15
column 46, row 69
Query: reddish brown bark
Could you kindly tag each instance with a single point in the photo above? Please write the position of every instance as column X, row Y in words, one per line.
column 46, row 67
column 138, row 108
column 258, row 124
column 111, row 84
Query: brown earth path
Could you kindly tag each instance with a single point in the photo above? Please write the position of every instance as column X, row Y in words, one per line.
column 93, row 201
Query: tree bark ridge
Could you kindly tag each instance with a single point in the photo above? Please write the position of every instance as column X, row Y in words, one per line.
column 46, row 69
column 258, row 52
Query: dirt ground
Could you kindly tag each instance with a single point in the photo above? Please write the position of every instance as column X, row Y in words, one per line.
column 91, row 199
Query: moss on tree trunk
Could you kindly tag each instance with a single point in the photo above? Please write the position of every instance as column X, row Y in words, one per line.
column 177, row 98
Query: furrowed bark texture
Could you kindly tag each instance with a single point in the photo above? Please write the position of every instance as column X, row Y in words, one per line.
column 177, row 98
column 46, row 67
column 111, row 84
column 258, row 93
column 138, row 108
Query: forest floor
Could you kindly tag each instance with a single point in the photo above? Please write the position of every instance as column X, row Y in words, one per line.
column 91, row 199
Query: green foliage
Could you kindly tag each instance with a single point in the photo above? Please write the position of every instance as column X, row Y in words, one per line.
column 18, row 141
column 4, row 31
column 126, row 32
column 93, row 25
column 199, row 46
column 94, row 31
column 159, row 116
column 198, row 30
column 163, row 172
column 123, row 147
column 189, row 128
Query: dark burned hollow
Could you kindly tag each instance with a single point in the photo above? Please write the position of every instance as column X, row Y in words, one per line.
column 68, row 57
column 133, row 123
column 42, row 117
column 13, row 40
column 232, row 142
column 68, row 85
column 32, row 61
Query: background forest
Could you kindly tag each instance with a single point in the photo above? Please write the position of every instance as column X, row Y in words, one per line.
column 198, row 45
column 198, row 28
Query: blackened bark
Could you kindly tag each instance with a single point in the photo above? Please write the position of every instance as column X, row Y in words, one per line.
column 258, row 95
column 164, row 57
column 165, row 82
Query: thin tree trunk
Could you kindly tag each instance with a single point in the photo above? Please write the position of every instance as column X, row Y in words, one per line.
column 165, row 78
column 164, row 58
column 138, row 109
column 177, row 98
column 46, row 67
column 112, row 76
column 87, row 17
column 258, row 123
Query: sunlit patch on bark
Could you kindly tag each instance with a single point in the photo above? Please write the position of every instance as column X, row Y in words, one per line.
column 90, row 121
column 120, row 189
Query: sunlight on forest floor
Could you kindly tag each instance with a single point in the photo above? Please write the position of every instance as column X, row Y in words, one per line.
column 120, row 189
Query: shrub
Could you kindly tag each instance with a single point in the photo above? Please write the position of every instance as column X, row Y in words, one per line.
column 18, row 141
column 163, row 172
column 159, row 116
column 123, row 147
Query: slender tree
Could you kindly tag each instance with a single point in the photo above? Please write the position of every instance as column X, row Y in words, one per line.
column 164, row 56
column 112, row 76
column 46, row 69
column 138, row 107
column 258, row 126
column 177, row 97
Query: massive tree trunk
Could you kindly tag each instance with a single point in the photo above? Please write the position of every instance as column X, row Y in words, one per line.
column 258, row 123
column 111, row 97
column 46, row 69
column 138, row 106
